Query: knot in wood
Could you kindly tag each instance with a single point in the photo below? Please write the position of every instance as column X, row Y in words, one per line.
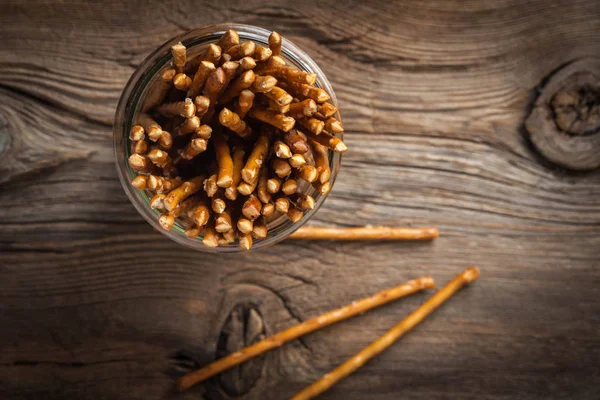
column 243, row 327
column 564, row 122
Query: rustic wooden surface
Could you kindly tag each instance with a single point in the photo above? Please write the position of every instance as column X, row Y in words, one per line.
column 435, row 96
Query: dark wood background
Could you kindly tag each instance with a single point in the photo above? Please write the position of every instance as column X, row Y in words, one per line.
column 435, row 97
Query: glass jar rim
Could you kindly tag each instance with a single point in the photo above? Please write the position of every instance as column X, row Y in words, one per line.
column 133, row 95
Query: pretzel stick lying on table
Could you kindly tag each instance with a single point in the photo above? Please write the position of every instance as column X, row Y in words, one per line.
column 385, row 341
column 365, row 233
column 311, row 325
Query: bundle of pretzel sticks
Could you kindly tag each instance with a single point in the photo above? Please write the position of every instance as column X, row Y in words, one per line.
column 355, row 308
column 228, row 139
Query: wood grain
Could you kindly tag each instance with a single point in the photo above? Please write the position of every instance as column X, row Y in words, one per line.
column 434, row 96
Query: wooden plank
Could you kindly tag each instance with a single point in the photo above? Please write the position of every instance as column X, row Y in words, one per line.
column 94, row 304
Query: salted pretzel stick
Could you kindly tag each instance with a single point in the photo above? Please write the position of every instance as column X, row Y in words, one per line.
column 242, row 50
column 275, row 43
column 246, row 241
column 273, row 66
column 334, row 126
column 182, row 82
column 282, row 204
column 246, row 63
column 229, row 39
column 259, row 230
column 256, row 159
column 308, row 173
column 262, row 53
column 224, row 58
column 165, row 141
column 281, row 149
column 213, row 54
column 231, row 120
column 223, row 222
column 244, row 103
column 210, row 185
column 179, row 56
column 204, row 70
column 297, row 143
column 308, row 326
column 290, row 186
column 388, row 338
column 158, row 91
column 326, row 110
column 273, row 118
column 293, row 75
column 194, row 147
column 159, row 157
column 229, row 68
column 279, row 96
column 157, row 202
column 263, row 84
column 162, row 184
column 245, row 225
column 294, row 214
column 140, row 182
column 307, row 202
column 218, row 204
column 240, row 83
column 152, row 128
column 211, row 237
column 365, row 233
column 166, row 221
column 201, row 213
column 238, row 164
column 272, row 105
column 273, row 185
column 312, row 124
column 225, row 177
column 141, row 164
column 303, row 109
column 202, row 103
column 212, row 88
column 251, row 208
column 322, row 188
column 327, row 140
column 321, row 158
column 189, row 125
column 281, row 167
column 261, row 189
column 185, row 109
column 306, row 91
column 137, row 136
column 185, row 190
column 268, row 209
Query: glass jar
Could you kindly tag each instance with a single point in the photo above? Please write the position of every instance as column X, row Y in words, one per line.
column 135, row 92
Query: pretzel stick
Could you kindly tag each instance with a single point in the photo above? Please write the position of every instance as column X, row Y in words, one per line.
column 327, row 140
column 246, row 63
column 244, row 103
column 240, row 83
column 204, row 70
column 275, row 43
column 179, row 56
column 308, row 326
column 241, row 50
column 321, row 161
column 365, row 233
column 256, row 159
column 182, row 82
column 262, row 53
column 238, row 163
column 303, row 109
column 280, row 121
column 385, row 341
column 202, row 103
column 213, row 54
column 158, row 91
column 229, row 39
column 225, row 178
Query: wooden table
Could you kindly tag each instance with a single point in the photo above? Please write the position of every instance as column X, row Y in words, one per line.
column 458, row 115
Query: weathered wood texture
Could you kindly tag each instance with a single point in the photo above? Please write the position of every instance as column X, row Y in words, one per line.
column 434, row 95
